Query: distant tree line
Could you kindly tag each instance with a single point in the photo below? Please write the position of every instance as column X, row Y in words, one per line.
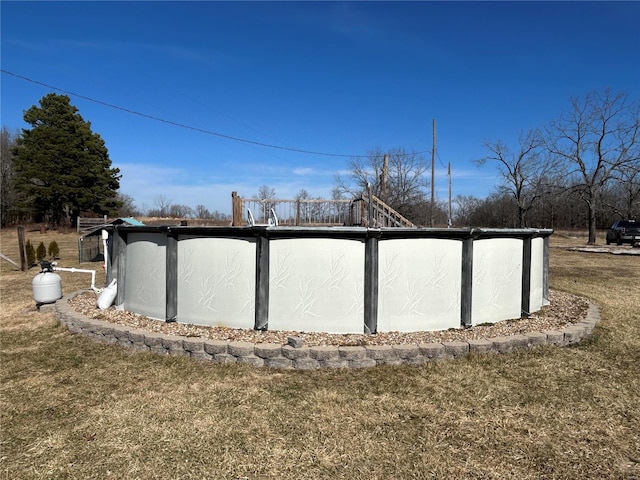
column 581, row 170
column 165, row 208
column 588, row 157
column 562, row 210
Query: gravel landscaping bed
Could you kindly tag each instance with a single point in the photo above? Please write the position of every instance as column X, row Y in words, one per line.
column 564, row 309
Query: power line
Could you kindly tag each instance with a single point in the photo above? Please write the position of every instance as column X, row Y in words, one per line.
column 181, row 125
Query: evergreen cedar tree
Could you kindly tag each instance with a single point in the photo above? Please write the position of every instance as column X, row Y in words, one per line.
column 62, row 168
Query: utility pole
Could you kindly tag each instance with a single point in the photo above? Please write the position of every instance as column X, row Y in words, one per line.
column 449, row 175
column 433, row 174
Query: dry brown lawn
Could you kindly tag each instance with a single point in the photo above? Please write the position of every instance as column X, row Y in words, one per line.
column 74, row 409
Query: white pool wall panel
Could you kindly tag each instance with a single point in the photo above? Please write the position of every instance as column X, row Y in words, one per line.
column 419, row 284
column 145, row 280
column 497, row 280
column 216, row 281
column 316, row 285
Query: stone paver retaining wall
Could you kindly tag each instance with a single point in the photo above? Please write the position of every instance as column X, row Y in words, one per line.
column 298, row 356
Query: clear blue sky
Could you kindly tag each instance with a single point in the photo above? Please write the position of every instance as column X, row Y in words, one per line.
column 332, row 77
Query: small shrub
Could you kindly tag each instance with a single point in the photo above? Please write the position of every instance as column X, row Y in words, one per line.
column 54, row 250
column 41, row 251
column 31, row 254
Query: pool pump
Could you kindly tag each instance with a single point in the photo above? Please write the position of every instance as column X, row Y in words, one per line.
column 47, row 285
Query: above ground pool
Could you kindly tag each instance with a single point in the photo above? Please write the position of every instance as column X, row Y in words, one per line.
column 331, row 279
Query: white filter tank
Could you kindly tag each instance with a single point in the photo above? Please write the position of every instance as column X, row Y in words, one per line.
column 47, row 287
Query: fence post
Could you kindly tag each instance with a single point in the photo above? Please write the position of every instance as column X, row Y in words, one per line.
column 23, row 250
column 236, row 210
column 298, row 213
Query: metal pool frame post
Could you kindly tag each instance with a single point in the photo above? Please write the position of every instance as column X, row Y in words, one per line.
column 262, row 284
column 171, row 298
column 371, row 282
column 467, row 282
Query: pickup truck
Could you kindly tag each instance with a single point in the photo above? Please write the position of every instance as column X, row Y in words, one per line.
column 624, row 231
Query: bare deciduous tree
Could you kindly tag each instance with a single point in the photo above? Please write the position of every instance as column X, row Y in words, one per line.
column 596, row 139
column 127, row 208
column 180, row 211
column 265, row 195
column 163, row 205
column 622, row 196
column 465, row 206
column 265, row 192
column 525, row 172
column 406, row 179
column 202, row 212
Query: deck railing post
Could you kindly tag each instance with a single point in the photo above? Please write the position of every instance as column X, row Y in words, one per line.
column 236, row 210
column 370, row 209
